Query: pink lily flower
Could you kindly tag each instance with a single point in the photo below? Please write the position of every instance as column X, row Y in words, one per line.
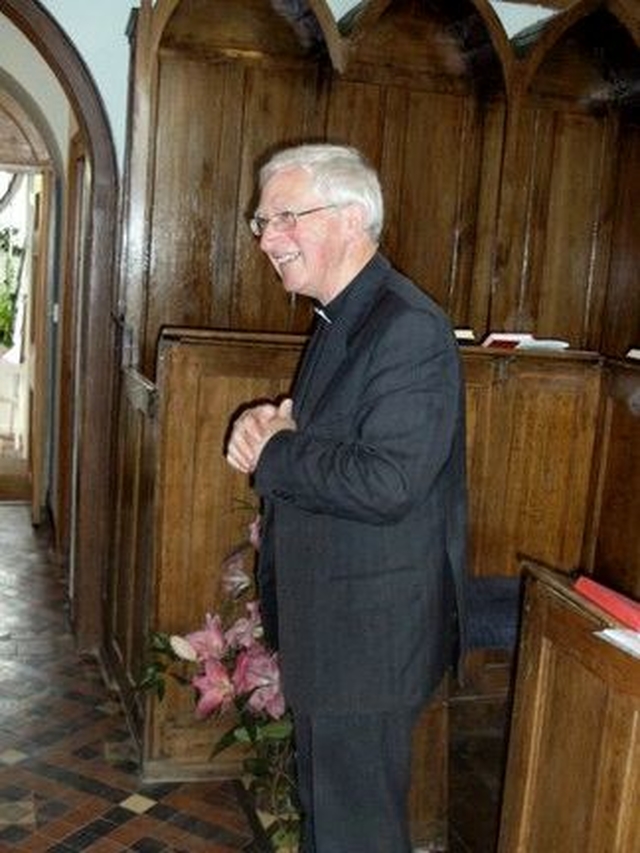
column 258, row 675
column 246, row 630
column 209, row 642
column 215, row 689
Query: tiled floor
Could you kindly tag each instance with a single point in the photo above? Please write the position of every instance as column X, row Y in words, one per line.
column 68, row 778
column 68, row 781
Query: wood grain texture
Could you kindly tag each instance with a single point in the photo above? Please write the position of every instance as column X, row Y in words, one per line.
column 572, row 774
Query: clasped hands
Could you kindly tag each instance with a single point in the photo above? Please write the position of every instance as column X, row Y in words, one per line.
column 252, row 430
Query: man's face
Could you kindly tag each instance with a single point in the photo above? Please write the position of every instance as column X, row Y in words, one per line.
column 310, row 256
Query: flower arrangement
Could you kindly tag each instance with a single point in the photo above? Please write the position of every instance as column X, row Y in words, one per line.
column 233, row 673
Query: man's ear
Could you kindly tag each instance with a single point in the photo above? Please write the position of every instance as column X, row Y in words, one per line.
column 354, row 215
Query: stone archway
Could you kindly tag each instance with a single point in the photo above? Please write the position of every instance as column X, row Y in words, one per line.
column 92, row 434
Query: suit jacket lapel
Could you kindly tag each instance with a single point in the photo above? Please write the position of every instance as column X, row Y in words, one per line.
column 331, row 358
column 359, row 299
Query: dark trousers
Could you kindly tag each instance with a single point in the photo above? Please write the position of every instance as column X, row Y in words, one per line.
column 353, row 780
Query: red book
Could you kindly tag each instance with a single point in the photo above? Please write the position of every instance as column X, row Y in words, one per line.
column 622, row 608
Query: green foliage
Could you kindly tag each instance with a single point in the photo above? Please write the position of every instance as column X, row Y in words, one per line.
column 8, row 284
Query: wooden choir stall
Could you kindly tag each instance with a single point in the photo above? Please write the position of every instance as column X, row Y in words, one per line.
column 511, row 170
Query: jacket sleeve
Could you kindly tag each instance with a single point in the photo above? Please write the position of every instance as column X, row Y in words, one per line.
column 378, row 451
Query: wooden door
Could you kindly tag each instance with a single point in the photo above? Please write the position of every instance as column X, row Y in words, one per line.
column 72, row 266
column 39, row 345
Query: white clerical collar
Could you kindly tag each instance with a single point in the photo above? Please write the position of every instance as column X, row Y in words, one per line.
column 322, row 313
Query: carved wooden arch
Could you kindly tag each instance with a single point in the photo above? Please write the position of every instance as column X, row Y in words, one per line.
column 26, row 145
column 499, row 40
column 341, row 46
column 160, row 14
column 93, row 500
column 626, row 11
column 563, row 22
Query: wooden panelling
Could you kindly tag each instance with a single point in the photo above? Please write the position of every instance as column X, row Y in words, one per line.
column 127, row 592
column 205, row 266
column 509, row 226
column 436, row 212
column 420, row 47
column 202, row 509
column 572, row 780
column 570, row 228
column 190, row 192
column 227, row 28
column 278, row 109
column 616, row 560
column 555, row 227
column 358, row 111
column 621, row 321
column 532, row 425
column 482, row 383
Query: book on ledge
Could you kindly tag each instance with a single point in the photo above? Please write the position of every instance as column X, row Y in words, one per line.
column 523, row 341
column 465, row 337
column 621, row 607
column 506, row 340
column 634, row 353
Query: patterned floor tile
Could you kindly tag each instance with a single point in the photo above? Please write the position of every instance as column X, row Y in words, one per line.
column 68, row 771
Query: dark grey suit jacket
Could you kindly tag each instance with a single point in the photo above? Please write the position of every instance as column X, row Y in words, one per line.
column 365, row 506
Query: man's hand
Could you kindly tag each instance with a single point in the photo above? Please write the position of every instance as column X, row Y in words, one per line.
column 253, row 429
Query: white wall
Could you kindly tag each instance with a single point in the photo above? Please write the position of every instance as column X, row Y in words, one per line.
column 24, row 64
column 515, row 17
column 98, row 30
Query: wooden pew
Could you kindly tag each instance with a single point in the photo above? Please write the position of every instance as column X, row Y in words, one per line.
column 573, row 772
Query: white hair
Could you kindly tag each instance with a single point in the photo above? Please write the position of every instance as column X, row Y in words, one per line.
column 339, row 173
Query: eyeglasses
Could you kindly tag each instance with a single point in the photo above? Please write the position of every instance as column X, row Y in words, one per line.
column 285, row 220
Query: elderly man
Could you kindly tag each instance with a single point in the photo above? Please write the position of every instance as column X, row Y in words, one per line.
column 361, row 474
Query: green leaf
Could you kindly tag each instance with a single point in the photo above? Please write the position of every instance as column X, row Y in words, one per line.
column 160, row 641
column 152, row 679
column 256, row 766
column 237, row 734
column 284, row 834
column 276, row 730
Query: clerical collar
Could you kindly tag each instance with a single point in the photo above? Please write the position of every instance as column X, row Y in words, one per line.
column 330, row 312
column 322, row 314
column 335, row 309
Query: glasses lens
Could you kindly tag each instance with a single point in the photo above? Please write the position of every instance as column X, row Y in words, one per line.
column 284, row 220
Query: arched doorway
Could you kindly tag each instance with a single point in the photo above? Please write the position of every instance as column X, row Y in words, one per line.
column 87, row 344
column 30, row 169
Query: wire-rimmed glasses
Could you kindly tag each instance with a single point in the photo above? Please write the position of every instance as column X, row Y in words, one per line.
column 284, row 220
